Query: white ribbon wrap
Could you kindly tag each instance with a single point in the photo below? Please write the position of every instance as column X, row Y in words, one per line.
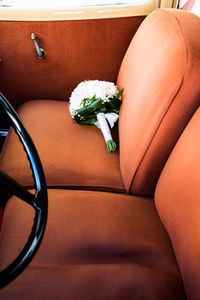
column 102, row 123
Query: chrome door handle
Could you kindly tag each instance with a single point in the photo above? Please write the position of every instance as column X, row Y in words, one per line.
column 39, row 51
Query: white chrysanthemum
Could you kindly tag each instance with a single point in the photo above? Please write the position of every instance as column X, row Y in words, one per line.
column 87, row 89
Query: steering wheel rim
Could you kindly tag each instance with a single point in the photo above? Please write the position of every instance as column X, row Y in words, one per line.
column 38, row 201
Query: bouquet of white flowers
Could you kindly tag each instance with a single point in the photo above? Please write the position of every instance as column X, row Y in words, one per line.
column 95, row 102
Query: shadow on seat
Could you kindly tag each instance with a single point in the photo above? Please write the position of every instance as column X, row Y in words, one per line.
column 161, row 93
column 105, row 244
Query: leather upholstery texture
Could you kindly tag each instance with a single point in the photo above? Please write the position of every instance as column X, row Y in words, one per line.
column 177, row 200
column 160, row 76
column 76, row 50
column 72, row 155
column 161, row 92
column 100, row 242
column 97, row 246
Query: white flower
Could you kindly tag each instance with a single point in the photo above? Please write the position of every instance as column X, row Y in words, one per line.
column 87, row 89
column 93, row 96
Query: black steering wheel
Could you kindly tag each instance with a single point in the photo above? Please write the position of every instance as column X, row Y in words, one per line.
column 38, row 200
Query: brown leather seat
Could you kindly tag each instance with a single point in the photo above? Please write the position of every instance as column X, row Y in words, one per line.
column 97, row 245
column 72, row 155
column 101, row 245
column 160, row 73
column 106, row 245
column 161, row 93
column 177, row 201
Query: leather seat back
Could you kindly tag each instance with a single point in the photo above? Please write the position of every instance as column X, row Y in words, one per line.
column 177, row 199
column 160, row 76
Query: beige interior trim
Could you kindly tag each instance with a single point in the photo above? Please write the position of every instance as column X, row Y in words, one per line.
column 80, row 13
column 166, row 4
column 176, row 3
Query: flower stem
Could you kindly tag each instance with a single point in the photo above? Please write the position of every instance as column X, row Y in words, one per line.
column 111, row 146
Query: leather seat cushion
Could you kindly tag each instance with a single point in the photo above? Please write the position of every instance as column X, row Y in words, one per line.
column 72, row 155
column 178, row 203
column 160, row 75
column 97, row 245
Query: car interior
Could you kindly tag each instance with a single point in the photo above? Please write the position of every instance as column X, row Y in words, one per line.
column 122, row 225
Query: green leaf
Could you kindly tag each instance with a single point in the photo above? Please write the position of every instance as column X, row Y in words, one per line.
column 85, row 111
column 89, row 117
column 120, row 93
column 113, row 105
column 89, row 100
column 87, row 114
column 93, row 98
column 103, row 109
column 83, row 102
column 112, row 110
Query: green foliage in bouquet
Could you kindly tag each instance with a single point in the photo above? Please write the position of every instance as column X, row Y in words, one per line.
column 96, row 102
column 91, row 107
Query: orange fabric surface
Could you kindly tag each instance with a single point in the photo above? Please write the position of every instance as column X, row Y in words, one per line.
column 177, row 200
column 72, row 155
column 97, row 246
column 76, row 50
column 160, row 76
